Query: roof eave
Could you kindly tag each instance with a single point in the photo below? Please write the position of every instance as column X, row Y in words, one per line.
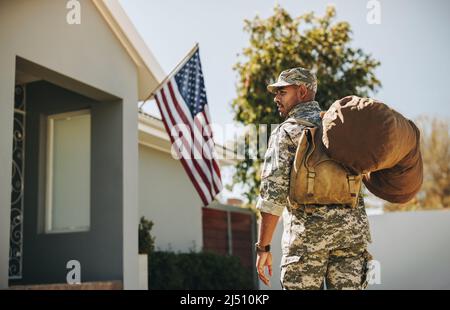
column 150, row 73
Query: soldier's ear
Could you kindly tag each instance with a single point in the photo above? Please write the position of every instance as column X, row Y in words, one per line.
column 302, row 91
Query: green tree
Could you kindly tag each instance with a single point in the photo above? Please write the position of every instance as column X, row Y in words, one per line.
column 280, row 42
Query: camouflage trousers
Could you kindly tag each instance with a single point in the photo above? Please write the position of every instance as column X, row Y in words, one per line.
column 326, row 248
column 338, row 269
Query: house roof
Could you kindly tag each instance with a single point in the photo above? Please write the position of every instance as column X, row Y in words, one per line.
column 150, row 73
column 152, row 134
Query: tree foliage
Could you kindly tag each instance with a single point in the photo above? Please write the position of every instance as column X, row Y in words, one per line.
column 281, row 42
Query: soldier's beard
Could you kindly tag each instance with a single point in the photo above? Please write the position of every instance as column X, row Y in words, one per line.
column 281, row 110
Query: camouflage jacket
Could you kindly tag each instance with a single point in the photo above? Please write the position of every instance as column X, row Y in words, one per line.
column 332, row 226
column 279, row 157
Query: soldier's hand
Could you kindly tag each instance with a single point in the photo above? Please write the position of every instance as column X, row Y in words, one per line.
column 264, row 259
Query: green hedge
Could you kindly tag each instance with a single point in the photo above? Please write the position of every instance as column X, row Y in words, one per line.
column 194, row 271
column 146, row 241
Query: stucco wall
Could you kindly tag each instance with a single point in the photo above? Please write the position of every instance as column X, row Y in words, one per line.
column 168, row 198
column 87, row 57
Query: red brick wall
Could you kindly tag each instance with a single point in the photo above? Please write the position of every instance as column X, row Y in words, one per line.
column 216, row 238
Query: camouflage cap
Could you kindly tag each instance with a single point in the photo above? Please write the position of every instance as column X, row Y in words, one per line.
column 295, row 76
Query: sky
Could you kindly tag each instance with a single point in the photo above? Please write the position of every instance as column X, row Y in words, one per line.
column 412, row 42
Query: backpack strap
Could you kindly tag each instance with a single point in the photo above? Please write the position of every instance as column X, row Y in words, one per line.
column 296, row 122
column 352, row 185
column 311, row 171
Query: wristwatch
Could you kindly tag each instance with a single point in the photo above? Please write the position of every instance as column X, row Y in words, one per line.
column 260, row 248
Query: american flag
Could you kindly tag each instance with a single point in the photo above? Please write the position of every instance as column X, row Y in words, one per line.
column 184, row 110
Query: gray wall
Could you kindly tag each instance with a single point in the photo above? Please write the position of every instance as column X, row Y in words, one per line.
column 99, row 251
column 7, row 64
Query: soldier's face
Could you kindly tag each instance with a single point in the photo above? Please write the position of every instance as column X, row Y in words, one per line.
column 286, row 98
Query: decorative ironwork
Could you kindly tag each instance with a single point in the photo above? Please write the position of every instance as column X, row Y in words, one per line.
column 19, row 98
column 17, row 185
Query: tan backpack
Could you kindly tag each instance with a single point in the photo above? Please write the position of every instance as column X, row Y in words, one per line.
column 316, row 179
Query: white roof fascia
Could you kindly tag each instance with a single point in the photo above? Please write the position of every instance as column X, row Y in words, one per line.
column 150, row 73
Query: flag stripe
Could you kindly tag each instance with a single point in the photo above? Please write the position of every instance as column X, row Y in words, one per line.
column 197, row 137
column 178, row 98
column 188, row 146
column 203, row 117
column 197, row 129
column 207, row 118
column 187, row 164
column 184, row 108
column 210, row 152
column 192, row 145
column 205, row 113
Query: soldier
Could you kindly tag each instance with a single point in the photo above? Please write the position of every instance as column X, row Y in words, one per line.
column 321, row 244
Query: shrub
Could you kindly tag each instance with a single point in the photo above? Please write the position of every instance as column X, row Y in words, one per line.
column 194, row 271
column 146, row 241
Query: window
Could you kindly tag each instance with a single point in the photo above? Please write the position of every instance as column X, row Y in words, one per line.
column 68, row 170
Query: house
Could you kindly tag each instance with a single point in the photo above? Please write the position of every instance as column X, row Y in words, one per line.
column 69, row 96
column 79, row 163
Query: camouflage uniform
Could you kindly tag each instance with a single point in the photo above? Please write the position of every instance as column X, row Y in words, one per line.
column 319, row 242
